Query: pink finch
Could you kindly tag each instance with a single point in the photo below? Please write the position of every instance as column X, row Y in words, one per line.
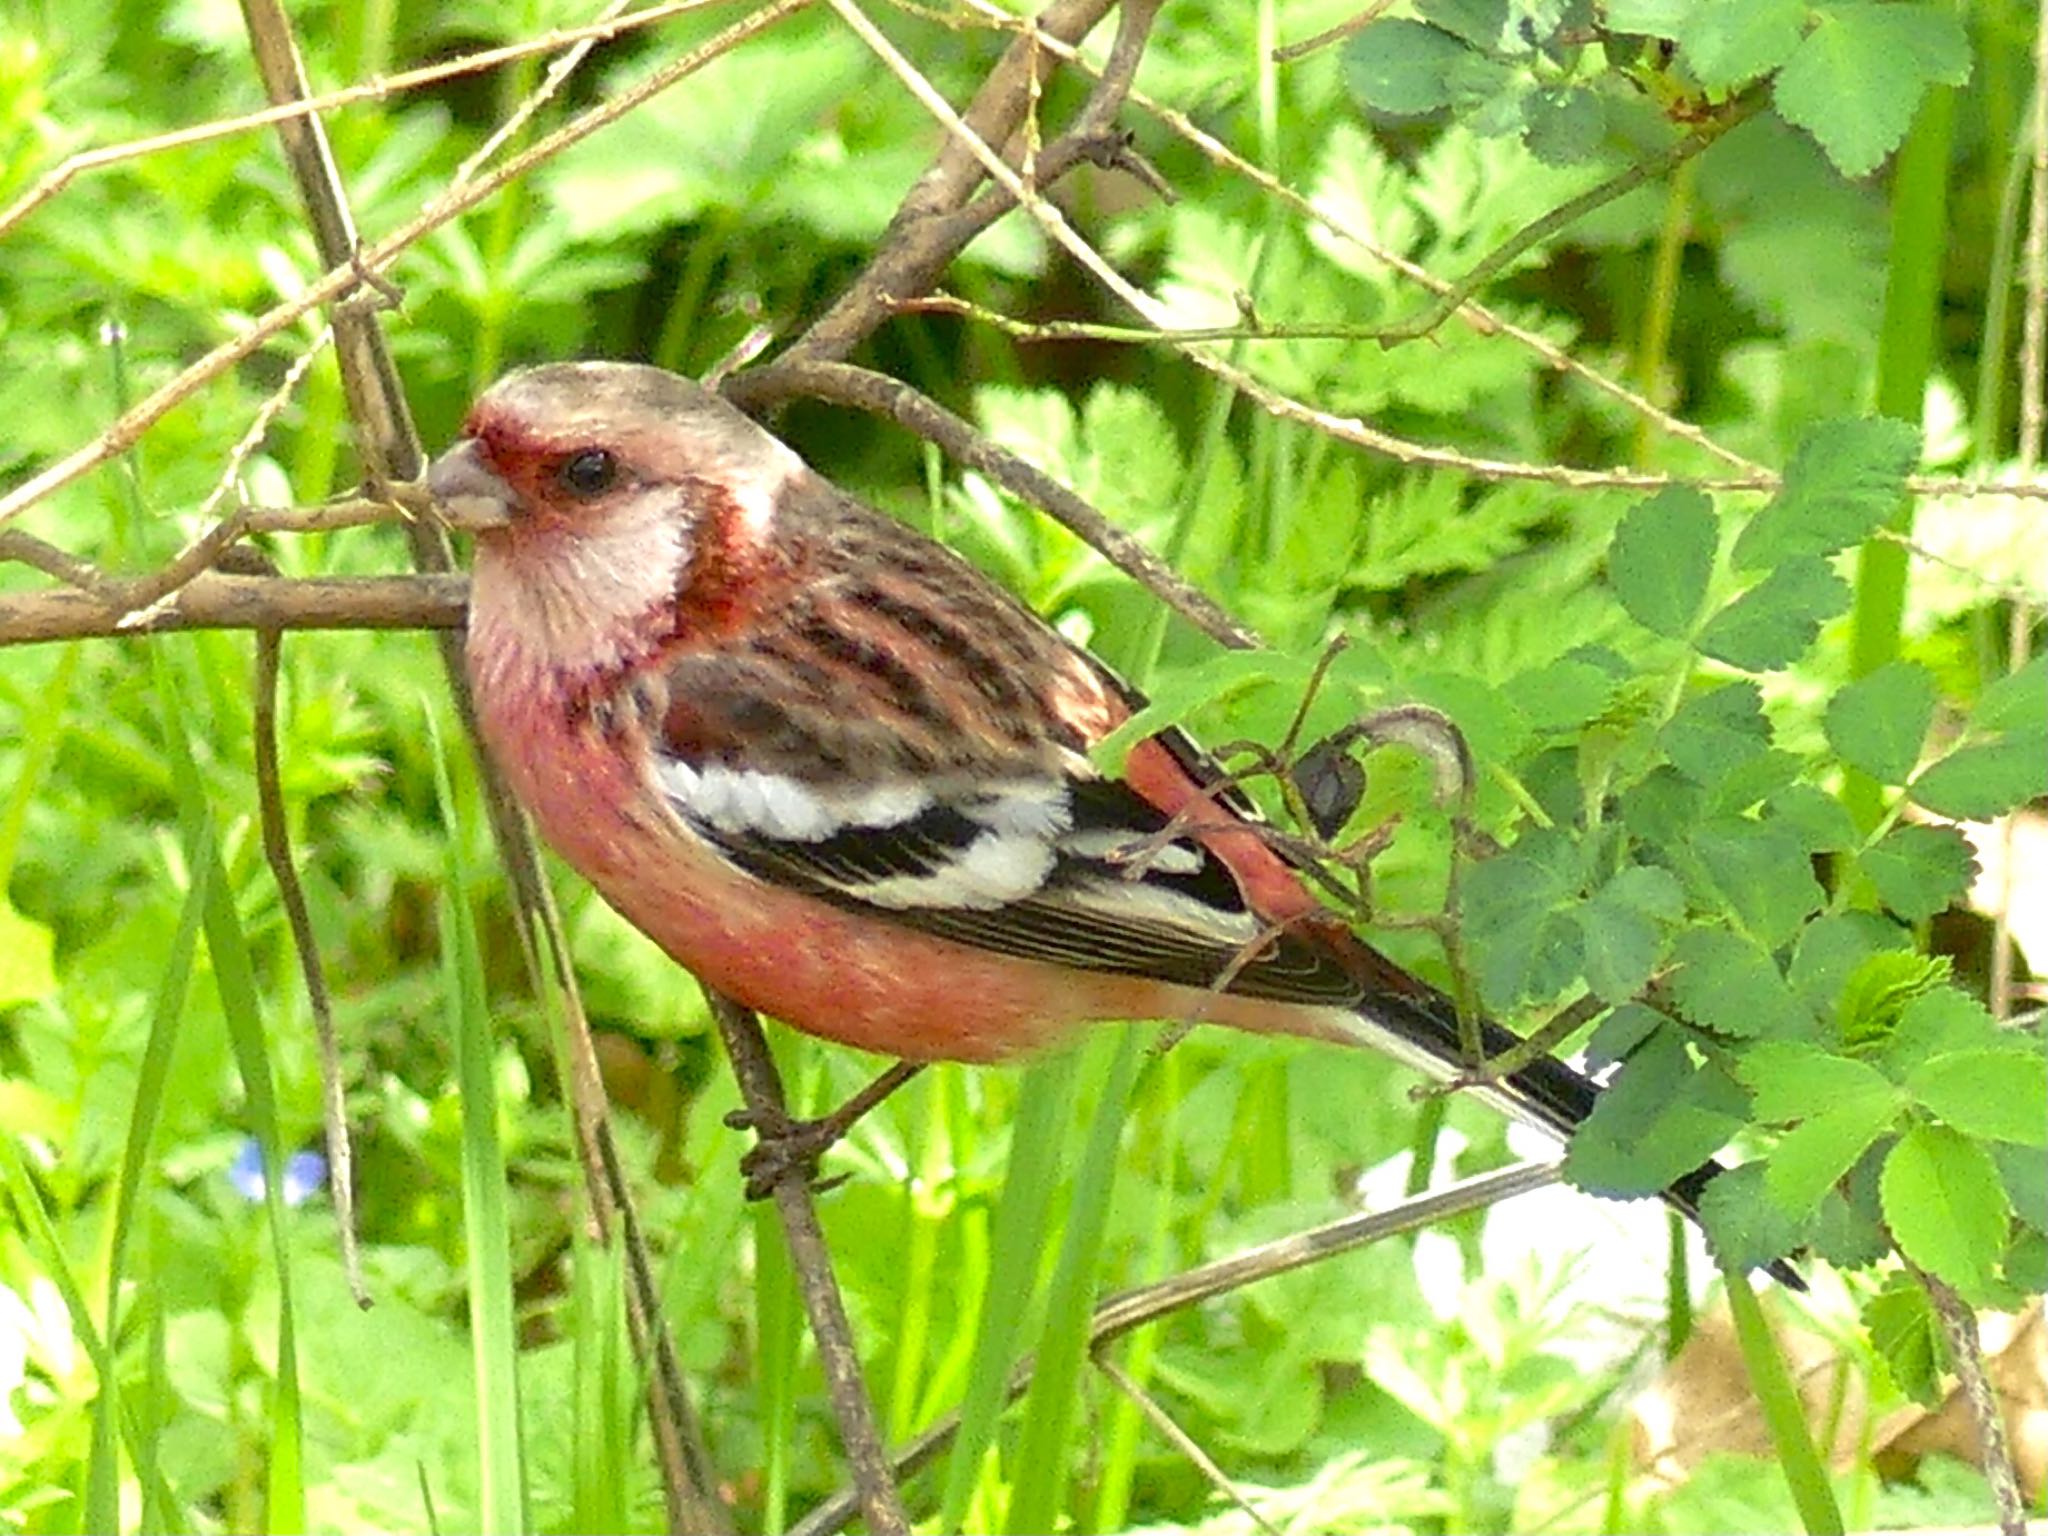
column 843, row 777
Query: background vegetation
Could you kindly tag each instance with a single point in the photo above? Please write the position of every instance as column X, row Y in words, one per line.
column 1724, row 785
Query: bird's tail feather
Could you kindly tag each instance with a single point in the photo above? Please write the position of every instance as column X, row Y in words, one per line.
column 1420, row 1028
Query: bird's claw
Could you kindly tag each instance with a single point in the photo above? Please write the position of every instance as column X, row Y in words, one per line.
column 785, row 1149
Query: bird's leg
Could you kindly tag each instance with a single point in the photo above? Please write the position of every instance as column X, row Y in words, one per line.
column 785, row 1147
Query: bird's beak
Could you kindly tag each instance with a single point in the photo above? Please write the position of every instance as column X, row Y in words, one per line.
column 469, row 494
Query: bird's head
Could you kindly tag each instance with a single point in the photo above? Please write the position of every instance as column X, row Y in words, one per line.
column 609, row 500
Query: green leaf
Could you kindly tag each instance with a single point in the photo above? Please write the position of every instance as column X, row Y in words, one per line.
column 1482, row 23
column 1905, row 1331
column 27, row 958
column 1745, row 1227
column 1651, row 18
column 1878, row 991
column 1999, row 1094
column 1813, row 1156
column 1985, row 780
column 1878, row 722
column 1728, row 985
column 1946, row 1206
column 1918, row 870
column 1762, row 872
column 1939, row 1021
column 1662, row 557
column 2017, row 703
column 1820, row 821
column 1830, row 949
column 1660, row 1118
column 1565, row 694
column 1401, row 67
column 1620, row 1033
column 1772, row 624
column 1791, row 1080
column 1620, row 931
column 1846, row 478
column 1715, row 732
column 1522, row 944
column 1565, row 124
column 1857, row 79
column 1728, row 43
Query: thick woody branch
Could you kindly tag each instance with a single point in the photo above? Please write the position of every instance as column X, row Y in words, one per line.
column 924, row 236
column 843, row 384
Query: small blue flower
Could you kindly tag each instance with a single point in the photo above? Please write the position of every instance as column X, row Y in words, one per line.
column 304, row 1173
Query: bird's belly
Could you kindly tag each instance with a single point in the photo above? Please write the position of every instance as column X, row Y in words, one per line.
column 853, row 977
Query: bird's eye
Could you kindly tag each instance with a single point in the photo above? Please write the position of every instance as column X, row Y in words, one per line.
column 590, row 472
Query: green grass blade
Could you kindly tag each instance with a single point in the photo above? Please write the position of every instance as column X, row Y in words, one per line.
column 606, row 1385
column 1054, row 1400
column 234, row 975
column 1044, row 1105
column 1784, row 1414
column 487, row 1232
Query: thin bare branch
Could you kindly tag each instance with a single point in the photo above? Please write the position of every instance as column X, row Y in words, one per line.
column 2033, row 427
column 215, row 601
column 1120, row 1314
column 860, row 1434
column 920, row 241
column 277, row 851
column 122, row 434
column 1181, row 1440
column 62, row 175
column 1336, row 34
column 1966, row 1353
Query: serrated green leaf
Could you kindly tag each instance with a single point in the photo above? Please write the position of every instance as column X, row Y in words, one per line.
column 1620, row 1033
column 1489, row 96
column 1880, row 989
column 1726, row 984
column 1620, row 946
column 1662, row 557
column 1731, row 42
column 1792, row 1080
column 1813, row 1156
column 1939, row 1021
column 2016, row 704
column 1402, row 67
column 1856, row 80
column 1984, row 780
column 1946, row 1206
column 1662, row 810
column 27, row 958
column 1846, row 478
column 1482, row 23
column 1661, row 1117
column 1752, row 781
column 1830, row 948
column 1878, row 722
column 1714, row 732
column 1564, row 124
column 1992, row 1094
column 2026, row 1182
column 1565, row 694
column 1520, row 941
column 1772, row 624
column 1820, row 821
column 1762, row 872
column 1649, row 890
column 1745, row 1227
column 1651, row 18
column 1919, row 870
column 1906, row 1333
column 1847, row 1233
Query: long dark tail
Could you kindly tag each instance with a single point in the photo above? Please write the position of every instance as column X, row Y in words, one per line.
column 1419, row 1026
